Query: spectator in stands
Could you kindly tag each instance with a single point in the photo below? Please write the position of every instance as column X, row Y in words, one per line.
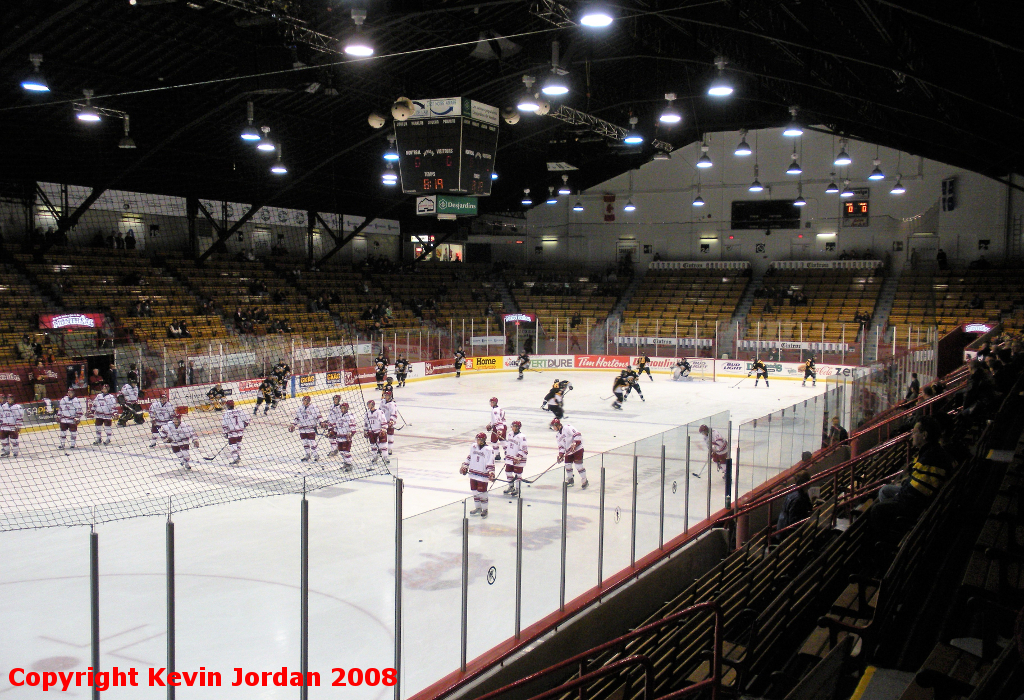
column 24, row 348
column 796, row 506
column 119, row 245
column 192, row 373
column 940, row 258
column 980, row 264
column 110, row 240
column 576, row 320
column 173, row 331
column 71, row 376
column 180, row 378
column 129, row 240
column 657, row 257
column 96, row 381
column 914, row 388
column 836, row 433
column 184, row 329
column 112, row 375
column 38, row 377
column 148, row 378
column 925, row 476
column 97, row 240
column 975, row 302
column 768, row 308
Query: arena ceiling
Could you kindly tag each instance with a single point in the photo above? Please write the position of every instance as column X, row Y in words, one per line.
column 938, row 79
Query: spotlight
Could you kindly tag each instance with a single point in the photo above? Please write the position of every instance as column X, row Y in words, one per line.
column 552, row 199
column 898, row 188
column 705, row 160
column 843, row 158
column 720, row 87
column 671, row 115
column 847, row 192
column 596, row 16
column 633, row 137
column 756, row 185
column 877, row 173
column 629, row 205
column 249, row 132
column 793, row 129
column 564, row 189
column 794, row 167
column 743, row 148
column 391, row 154
column 698, row 201
column 265, row 144
column 356, row 44
column 126, row 141
column 578, row 206
column 389, row 177
column 832, row 187
column 86, row 113
column 554, row 84
column 800, row 201
column 494, row 176
column 527, row 102
column 278, row 167
column 35, row 82
column 526, row 197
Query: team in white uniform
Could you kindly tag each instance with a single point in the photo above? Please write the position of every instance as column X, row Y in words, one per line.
column 341, row 426
column 103, row 406
column 570, row 450
column 179, row 434
column 69, row 414
column 515, row 458
column 716, row 444
column 375, row 429
column 307, row 418
column 497, row 428
column 161, row 412
column 233, row 424
column 12, row 420
column 480, row 467
column 391, row 411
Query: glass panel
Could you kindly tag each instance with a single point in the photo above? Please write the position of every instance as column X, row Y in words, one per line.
column 618, row 505
column 492, row 573
column 542, row 544
column 677, row 483
column 648, row 455
column 583, row 529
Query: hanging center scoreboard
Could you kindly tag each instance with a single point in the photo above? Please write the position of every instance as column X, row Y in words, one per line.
column 447, row 147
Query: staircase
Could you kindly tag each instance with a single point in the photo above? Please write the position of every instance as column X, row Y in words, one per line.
column 627, row 295
column 508, row 302
column 727, row 336
column 880, row 316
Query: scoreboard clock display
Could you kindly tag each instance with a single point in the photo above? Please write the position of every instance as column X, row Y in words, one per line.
column 856, row 213
column 447, row 147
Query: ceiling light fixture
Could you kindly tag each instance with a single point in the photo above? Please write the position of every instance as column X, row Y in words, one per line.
column 898, row 188
column 832, row 187
column 391, row 154
column 847, row 192
column 278, row 167
column 742, row 148
column 356, row 43
column 793, row 129
column 670, row 115
column 564, row 189
column 596, row 16
column 126, row 141
column 528, row 102
column 705, row 160
column 552, row 199
column 720, row 86
column 633, row 137
column 527, row 201
column 794, row 167
column 35, row 82
column 249, row 132
column 843, row 158
column 629, row 205
column 799, row 201
column 661, row 155
column 389, row 177
column 578, row 206
column 494, row 176
column 86, row 113
column 555, row 84
column 265, row 144
column 877, row 173
column 756, row 185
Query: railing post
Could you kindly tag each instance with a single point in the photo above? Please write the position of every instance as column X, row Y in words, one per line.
column 170, row 602
column 519, row 562
column 661, row 506
column 561, row 568
column 686, row 490
column 465, row 588
column 600, row 530
column 94, row 600
column 632, row 529
column 399, row 483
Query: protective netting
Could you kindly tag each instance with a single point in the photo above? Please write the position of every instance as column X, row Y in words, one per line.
column 133, row 472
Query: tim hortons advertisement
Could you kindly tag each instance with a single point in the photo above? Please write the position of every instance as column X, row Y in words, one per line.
column 432, row 367
column 601, row 361
column 70, row 321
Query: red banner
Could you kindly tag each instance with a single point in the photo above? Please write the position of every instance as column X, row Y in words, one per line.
column 438, row 367
column 70, row 321
column 601, row 361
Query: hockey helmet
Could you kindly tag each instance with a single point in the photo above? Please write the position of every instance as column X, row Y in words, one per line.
column 306, row 400
column 371, row 403
column 344, row 404
column 337, row 398
column 481, row 436
column 555, row 424
column 703, row 430
column 516, row 425
column 229, row 403
column 494, row 400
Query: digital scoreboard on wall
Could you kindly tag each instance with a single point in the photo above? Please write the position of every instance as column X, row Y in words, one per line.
column 447, row 147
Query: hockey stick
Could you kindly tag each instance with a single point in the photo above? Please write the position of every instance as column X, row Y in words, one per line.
column 210, row 459
column 740, row 382
column 404, row 421
column 701, row 471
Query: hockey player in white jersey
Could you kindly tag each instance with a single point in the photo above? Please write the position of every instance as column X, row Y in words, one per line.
column 12, row 420
column 69, row 414
column 515, row 458
column 233, row 424
column 103, row 411
column 718, row 447
column 179, row 434
column 498, row 428
column 307, row 418
column 570, row 450
column 341, row 426
column 391, row 411
column 479, row 465
column 130, row 408
column 375, row 429
column 161, row 412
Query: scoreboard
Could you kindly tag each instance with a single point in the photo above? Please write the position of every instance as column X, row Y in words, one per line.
column 447, row 147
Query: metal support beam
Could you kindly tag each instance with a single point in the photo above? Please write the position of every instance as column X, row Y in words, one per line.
column 599, row 126
column 444, row 238
column 48, row 204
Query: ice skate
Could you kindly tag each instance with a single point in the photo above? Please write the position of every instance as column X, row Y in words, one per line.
column 347, row 466
column 316, row 458
column 386, row 460
column 97, row 441
column 236, row 460
column 332, row 453
column 391, row 453
column 571, row 481
column 475, row 511
column 374, row 460
column 5, row 453
column 803, row 383
column 62, row 446
column 511, row 489
column 152, row 444
column 585, row 484
column 188, row 467
column 483, row 514
column 15, row 454
column 305, row 459
column 107, row 441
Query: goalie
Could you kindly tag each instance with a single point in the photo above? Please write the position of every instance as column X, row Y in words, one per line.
column 130, row 408
column 681, row 371
column 216, row 396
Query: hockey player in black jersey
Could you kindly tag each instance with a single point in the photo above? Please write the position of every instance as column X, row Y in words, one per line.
column 281, row 372
column 761, row 371
column 810, row 370
column 401, row 370
column 216, row 396
column 643, row 365
column 380, row 370
column 266, row 393
column 460, row 360
column 524, row 364
column 555, row 387
column 557, row 404
column 681, row 370
column 633, row 384
column 619, row 386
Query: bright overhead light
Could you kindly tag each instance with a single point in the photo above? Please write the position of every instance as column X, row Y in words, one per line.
column 670, row 115
column 793, row 129
column 265, row 144
column 249, row 132
column 528, row 102
column 799, row 201
column 494, row 176
column 555, row 85
column 661, row 155
column 578, row 206
column 877, row 173
column 552, row 199
column 847, row 192
column 389, row 177
column 278, row 167
column 832, row 187
column 794, row 167
column 705, row 160
column 720, row 86
column 698, row 201
column 843, row 158
column 564, row 188
column 629, row 205
column 35, row 81
column 898, row 188
column 633, row 137
column 527, row 201
column 743, row 148
column 756, row 185
column 596, row 16
column 356, row 44
column 391, row 153
column 126, row 142
column 86, row 113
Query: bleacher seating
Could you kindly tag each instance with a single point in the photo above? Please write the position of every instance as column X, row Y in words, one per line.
column 18, row 303
column 671, row 300
column 561, row 295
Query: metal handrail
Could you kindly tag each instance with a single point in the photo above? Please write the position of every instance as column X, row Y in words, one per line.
column 624, row 639
column 607, row 670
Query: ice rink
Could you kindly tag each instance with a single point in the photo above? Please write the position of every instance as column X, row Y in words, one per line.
column 237, row 563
